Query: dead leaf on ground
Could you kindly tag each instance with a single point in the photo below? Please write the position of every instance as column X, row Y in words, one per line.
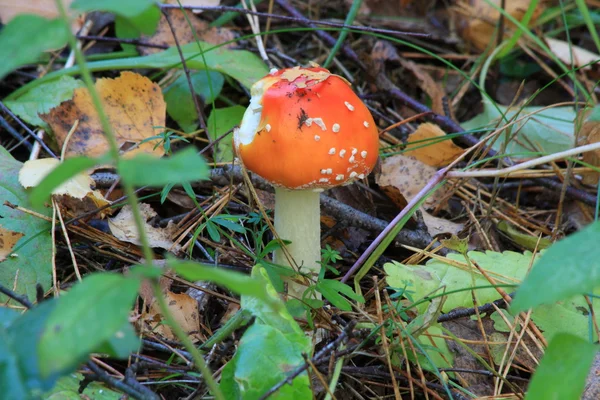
column 428, row 85
column 438, row 226
column 409, row 175
column 568, row 52
column 44, row 8
column 589, row 133
column 184, row 310
column 477, row 19
column 8, row 240
column 134, row 106
column 431, row 146
column 76, row 194
column 179, row 20
column 123, row 227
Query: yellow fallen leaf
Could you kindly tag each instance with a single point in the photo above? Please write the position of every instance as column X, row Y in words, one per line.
column 123, row 227
column 79, row 187
column 429, row 147
column 135, row 108
column 568, row 52
column 409, row 176
column 8, row 240
column 477, row 19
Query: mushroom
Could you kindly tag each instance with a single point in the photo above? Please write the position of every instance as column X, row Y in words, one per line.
column 305, row 131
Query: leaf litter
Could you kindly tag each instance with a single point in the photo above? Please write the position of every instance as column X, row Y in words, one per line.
column 504, row 222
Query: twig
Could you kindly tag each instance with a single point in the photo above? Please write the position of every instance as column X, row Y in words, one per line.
column 135, row 42
column 21, row 140
column 29, row 131
column 298, row 19
column 101, row 375
column 16, row 297
column 467, row 312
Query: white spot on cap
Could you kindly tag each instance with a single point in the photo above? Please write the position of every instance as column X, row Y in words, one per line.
column 329, row 171
column 273, row 70
column 353, row 174
column 342, row 152
column 354, row 151
column 339, row 177
column 332, row 151
column 351, row 159
column 363, row 154
column 268, row 127
column 324, row 171
column 335, row 128
column 350, row 106
column 324, row 180
column 361, row 176
column 308, row 121
column 319, row 122
column 317, row 137
column 366, row 124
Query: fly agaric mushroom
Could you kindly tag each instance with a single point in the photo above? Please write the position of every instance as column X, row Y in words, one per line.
column 305, row 131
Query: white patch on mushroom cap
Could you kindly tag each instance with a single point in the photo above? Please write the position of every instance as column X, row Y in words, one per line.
column 268, row 127
column 351, row 159
column 361, row 176
column 319, row 122
column 353, row 174
column 332, row 151
column 324, row 180
column 335, row 128
column 317, row 137
column 342, row 152
column 329, row 171
column 363, row 154
column 366, row 124
column 252, row 116
column 350, row 106
column 339, row 177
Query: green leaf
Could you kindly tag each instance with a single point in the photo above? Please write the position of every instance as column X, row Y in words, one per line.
column 219, row 122
column 21, row 340
column 180, row 104
column 26, row 37
column 548, row 131
column 32, row 260
column 232, row 280
column 147, row 170
column 143, row 15
column 266, row 356
column 563, row 369
column 67, row 388
column 332, row 291
column 595, row 114
column 85, row 318
column 42, row 98
column 571, row 266
column 62, row 173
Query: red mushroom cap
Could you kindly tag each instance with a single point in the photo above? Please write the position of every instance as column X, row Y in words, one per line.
column 306, row 128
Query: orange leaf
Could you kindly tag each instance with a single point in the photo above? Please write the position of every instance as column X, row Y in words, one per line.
column 135, row 108
column 8, row 240
column 429, row 147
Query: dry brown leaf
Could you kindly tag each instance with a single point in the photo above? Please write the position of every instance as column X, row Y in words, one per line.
column 76, row 194
column 184, row 310
column 8, row 240
column 589, row 133
column 428, row 85
column 477, row 20
column 429, row 148
column 409, row 176
column 568, row 52
column 134, row 106
column 437, row 226
column 164, row 36
column 44, row 8
column 123, row 227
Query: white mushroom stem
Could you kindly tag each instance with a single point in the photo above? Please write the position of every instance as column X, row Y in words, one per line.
column 297, row 219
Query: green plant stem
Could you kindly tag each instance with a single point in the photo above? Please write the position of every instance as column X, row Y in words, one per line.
column 110, row 136
column 241, row 318
column 585, row 13
column 340, row 41
column 186, row 341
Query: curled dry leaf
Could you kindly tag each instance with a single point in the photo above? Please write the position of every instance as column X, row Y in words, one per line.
column 409, row 176
column 8, row 240
column 123, row 227
column 477, row 19
column 134, row 106
column 44, row 8
column 589, row 133
column 76, row 194
column 569, row 53
column 185, row 34
column 428, row 85
column 431, row 146
column 184, row 310
column 437, row 226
